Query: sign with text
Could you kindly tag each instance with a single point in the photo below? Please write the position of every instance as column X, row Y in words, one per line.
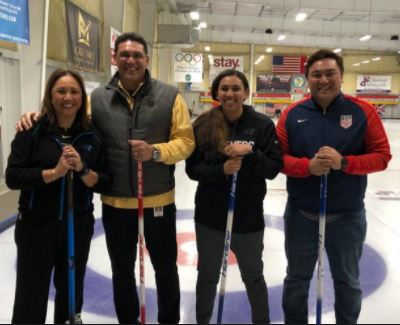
column 114, row 33
column 14, row 21
column 299, row 84
column 188, row 67
column 273, row 83
column 221, row 63
column 374, row 83
column 83, row 38
column 274, row 98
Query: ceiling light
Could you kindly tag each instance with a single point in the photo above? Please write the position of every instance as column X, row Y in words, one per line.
column 207, row 48
column 260, row 58
column 268, row 50
column 356, row 64
column 376, row 59
column 203, row 24
column 365, row 38
column 301, row 16
column 281, row 37
column 337, row 50
column 194, row 15
column 364, row 62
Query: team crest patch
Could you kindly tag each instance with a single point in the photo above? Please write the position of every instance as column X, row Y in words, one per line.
column 346, row 121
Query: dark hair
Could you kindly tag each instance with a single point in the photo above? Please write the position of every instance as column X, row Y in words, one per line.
column 324, row 54
column 82, row 117
column 212, row 132
column 134, row 37
column 227, row 73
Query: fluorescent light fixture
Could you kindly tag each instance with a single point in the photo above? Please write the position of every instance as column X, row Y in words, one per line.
column 337, row 50
column 365, row 38
column 207, row 48
column 376, row 59
column 203, row 24
column 194, row 15
column 301, row 16
column 356, row 64
column 260, row 58
column 281, row 37
column 268, row 50
column 364, row 62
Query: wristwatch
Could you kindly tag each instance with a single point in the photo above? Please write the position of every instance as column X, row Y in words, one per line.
column 344, row 163
column 156, row 154
column 84, row 171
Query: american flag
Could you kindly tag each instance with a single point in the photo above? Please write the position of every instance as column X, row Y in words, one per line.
column 288, row 64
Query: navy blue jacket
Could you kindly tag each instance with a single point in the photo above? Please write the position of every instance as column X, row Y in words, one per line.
column 350, row 126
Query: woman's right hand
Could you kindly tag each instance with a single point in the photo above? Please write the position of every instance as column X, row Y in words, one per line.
column 232, row 165
column 63, row 166
column 26, row 120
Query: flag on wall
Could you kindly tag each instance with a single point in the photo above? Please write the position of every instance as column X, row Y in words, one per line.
column 288, row 64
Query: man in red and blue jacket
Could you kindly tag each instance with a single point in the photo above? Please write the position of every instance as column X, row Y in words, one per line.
column 339, row 135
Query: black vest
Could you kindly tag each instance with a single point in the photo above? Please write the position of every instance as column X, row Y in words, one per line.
column 150, row 120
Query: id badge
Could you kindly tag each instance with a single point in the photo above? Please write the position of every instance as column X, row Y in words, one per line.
column 158, row 211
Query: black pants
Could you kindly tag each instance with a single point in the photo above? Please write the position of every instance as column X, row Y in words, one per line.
column 42, row 247
column 121, row 229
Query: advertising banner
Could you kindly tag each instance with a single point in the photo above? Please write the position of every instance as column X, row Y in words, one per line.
column 14, row 21
column 188, row 67
column 273, row 83
column 114, row 33
column 83, row 38
column 221, row 63
column 374, row 83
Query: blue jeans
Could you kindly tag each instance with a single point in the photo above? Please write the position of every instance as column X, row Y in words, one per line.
column 344, row 238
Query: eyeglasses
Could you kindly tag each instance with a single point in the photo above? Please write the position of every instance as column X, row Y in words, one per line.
column 124, row 56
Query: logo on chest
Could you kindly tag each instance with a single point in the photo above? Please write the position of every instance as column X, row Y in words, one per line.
column 346, row 121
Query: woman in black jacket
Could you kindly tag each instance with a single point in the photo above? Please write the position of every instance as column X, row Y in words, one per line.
column 62, row 140
column 232, row 138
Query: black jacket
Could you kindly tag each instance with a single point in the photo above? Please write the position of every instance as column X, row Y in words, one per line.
column 40, row 148
column 212, row 193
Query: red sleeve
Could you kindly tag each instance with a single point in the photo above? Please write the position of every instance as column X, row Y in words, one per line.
column 377, row 146
column 292, row 166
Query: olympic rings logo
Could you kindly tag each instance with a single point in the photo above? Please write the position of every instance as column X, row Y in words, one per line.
column 188, row 58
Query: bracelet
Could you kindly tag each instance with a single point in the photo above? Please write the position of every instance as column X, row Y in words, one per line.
column 53, row 175
column 84, row 171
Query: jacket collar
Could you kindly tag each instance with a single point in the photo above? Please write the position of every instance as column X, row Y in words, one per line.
column 247, row 110
column 144, row 89
column 334, row 105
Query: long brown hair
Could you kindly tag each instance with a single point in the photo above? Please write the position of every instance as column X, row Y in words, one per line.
column 212, row 133
column 82, row 118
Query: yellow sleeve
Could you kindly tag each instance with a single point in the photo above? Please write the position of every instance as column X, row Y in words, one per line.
column 181, row 140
